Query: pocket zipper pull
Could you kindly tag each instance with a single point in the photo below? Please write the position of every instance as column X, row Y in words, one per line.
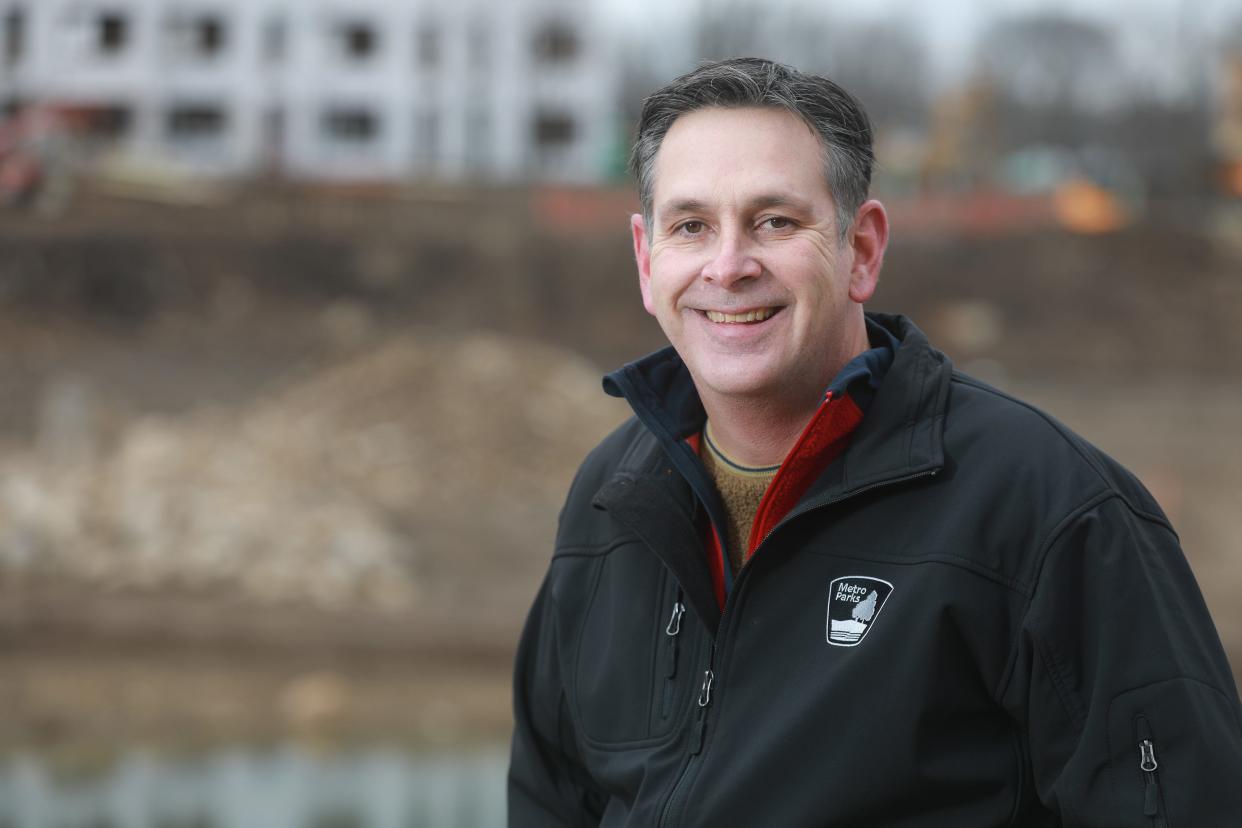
column 1148, row 765
column 674, row 621
column 672, row 630
column 1147, row 756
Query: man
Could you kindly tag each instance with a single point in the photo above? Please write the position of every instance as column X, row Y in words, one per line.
column 821, row 578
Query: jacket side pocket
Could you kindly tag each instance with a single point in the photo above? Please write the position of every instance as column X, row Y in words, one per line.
column 1175, row 755
column 1149, row 767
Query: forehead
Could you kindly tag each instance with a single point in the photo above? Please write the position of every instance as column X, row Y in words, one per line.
column 716, row 154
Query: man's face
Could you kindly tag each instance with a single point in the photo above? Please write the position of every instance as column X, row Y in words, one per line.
column 742, row 265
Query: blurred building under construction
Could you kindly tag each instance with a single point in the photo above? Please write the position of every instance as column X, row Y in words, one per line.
column 323, row 89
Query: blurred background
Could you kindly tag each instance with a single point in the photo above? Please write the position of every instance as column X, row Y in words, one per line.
column 303, row 308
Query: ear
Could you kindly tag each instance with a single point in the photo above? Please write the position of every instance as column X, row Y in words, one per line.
column 868, row 240
column 642, row 256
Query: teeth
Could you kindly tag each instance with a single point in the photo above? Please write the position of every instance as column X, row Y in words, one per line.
column 749, row 316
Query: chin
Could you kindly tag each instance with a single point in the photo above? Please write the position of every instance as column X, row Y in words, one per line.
column 739, row 384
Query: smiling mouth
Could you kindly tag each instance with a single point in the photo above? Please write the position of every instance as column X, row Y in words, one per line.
column 759, row 315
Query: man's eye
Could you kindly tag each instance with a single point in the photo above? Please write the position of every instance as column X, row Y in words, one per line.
column 692, row 228
column 777, row 223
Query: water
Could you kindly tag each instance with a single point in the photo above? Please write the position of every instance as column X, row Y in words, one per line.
column 280, row 788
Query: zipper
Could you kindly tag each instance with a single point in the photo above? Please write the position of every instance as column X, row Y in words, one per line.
column 704, row 702
column 709, row 676
column 671, row 631
column 1148, row 766
column 696, row 744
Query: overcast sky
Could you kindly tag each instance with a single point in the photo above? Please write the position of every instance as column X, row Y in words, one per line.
column 952, row 25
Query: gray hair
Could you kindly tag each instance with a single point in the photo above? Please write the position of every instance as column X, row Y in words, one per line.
column 834, row 114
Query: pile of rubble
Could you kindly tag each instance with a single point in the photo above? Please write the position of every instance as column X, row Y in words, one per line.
column 428, row 469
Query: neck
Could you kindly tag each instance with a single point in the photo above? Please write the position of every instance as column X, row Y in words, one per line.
column 752, row 433
column 761, row 430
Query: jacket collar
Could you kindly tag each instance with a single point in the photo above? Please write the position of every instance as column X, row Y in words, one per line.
column 902, row 434
column 900, row 437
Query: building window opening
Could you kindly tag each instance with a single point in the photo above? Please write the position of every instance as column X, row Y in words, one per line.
column 350, row 125
column 196, row 122
column 14, row 36
column 359, row 41
column 209, row 35
column 110, row 122
column 556, row 42
column 112, row 32
column 553, row 130
column 200, row 38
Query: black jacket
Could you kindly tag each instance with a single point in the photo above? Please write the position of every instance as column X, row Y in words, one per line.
column 972, row 618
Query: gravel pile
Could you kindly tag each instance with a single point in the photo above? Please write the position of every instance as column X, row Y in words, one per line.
column 426, row 471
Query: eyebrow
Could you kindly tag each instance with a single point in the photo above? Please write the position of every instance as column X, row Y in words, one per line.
column 759, row 202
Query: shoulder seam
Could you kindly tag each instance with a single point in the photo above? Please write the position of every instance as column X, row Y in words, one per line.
column 1041, row 557
column 1061, row 432
column 1067, row 699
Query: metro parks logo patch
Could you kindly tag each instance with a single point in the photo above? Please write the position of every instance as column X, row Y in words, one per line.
column 854, row 602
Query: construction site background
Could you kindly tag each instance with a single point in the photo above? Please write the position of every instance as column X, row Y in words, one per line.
column 280, row 461
column 306, row 448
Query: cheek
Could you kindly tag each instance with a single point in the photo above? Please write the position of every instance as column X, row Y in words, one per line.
column 671, row 274
column 657, row 298
column 812, row 273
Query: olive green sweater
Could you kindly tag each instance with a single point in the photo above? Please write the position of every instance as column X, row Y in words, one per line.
column 741, row 488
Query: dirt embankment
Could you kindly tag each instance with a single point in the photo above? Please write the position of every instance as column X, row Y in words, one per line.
column 293, row 466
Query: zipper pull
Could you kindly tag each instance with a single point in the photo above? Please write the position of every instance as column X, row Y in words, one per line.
column 1148, row 765
column 705, row 692
column 705, row 698
column 674, row 622
column 1147, row 756
column 700, row 723
column 672, row 631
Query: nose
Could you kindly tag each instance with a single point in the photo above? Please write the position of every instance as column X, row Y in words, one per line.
column 731, row 261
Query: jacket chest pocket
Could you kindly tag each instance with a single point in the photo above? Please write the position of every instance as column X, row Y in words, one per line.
column 635, row 654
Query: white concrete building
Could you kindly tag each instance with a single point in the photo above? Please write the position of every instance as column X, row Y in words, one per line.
column 327, row 88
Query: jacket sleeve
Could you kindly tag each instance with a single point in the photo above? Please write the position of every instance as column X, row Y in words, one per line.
column 547, row 785
column 1132, row 715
